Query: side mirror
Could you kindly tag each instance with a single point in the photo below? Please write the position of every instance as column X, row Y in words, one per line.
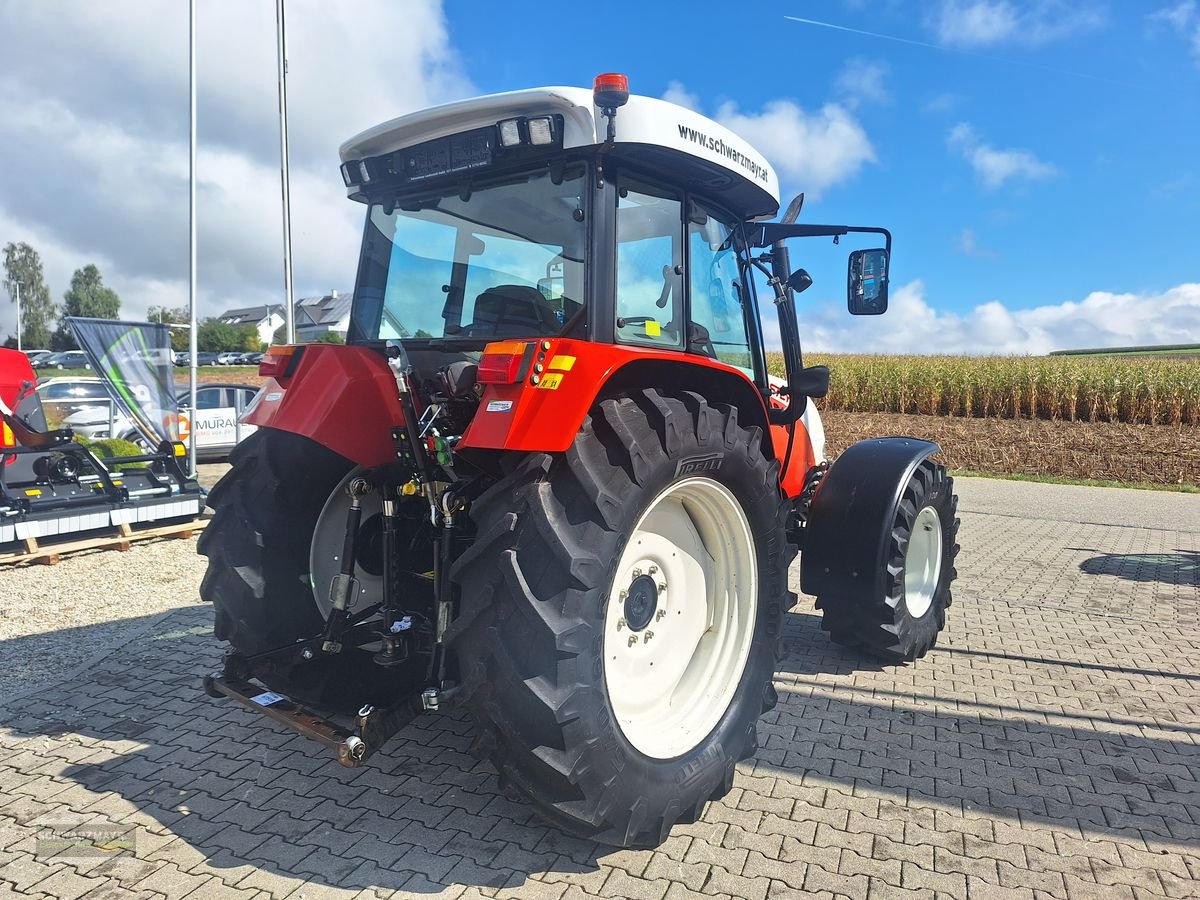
column 867, row 285
column 800, row 281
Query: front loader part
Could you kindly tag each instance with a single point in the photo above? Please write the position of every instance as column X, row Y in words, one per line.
column 879, row 547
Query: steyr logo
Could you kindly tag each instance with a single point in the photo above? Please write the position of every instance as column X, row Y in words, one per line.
column 694, row 465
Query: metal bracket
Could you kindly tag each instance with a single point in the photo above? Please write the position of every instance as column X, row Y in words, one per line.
column 375, row 726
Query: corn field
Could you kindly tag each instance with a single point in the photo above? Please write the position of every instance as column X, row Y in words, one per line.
column 1137, row 390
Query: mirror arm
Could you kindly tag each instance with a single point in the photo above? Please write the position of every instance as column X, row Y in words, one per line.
column 789, row 333
column 765, row 234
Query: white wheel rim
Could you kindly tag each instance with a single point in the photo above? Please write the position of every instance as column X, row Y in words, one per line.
column 671, row 681
column 923, row 562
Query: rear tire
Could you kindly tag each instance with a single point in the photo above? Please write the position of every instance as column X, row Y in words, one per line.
column 259, row 547
column 904, row 623
column 536, row 639
column 266, row 507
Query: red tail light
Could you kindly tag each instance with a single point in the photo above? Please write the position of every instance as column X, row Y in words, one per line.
column 279, row 362
column 501, row 362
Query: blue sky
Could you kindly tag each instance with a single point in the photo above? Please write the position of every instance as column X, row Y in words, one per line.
column 1035, row 159
column 1097, row 104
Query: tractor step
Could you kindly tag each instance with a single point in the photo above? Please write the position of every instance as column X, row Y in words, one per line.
column 352, row 746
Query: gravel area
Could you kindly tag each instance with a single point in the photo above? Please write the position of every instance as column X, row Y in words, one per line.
column 209, row 474
column 53, row 619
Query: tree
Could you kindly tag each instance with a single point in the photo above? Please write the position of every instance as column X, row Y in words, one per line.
column 23, row 266
column 214, row 335
column 87, row 297
column 168, row 316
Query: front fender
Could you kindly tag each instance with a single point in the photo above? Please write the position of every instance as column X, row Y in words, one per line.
column 851, row 515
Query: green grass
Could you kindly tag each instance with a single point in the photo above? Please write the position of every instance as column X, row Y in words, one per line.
column 1083, row 482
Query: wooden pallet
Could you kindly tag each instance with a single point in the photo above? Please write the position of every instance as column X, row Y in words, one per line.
column 50, row 554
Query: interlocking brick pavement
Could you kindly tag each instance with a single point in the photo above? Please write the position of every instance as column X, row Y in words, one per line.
column 1048, row 748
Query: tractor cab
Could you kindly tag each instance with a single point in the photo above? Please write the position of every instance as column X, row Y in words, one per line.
column 558, row 213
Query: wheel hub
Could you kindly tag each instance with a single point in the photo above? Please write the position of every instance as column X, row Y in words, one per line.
column 641, row 602
column 679, row 621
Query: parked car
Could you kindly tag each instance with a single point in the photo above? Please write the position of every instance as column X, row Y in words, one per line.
column 218, row 408
column 63, row 397
column 250, row 359
column 229, row 357
column 67, row 359
column 203, row 358
column 35, row 355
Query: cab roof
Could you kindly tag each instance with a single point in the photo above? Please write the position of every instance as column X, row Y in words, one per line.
column 677, row 144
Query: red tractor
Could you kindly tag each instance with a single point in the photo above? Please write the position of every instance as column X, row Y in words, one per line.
column 549, row 479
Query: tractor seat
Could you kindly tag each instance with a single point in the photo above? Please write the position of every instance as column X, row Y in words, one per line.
column 512, row 310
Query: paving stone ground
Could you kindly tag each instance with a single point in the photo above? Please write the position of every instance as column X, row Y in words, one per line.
column 1048, row 748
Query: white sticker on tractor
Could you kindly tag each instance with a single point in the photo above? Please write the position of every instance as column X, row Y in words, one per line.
column 499, row 405
column 266, row 698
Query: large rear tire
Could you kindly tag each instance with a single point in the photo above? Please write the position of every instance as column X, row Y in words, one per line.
column 655, row 544
column 265, row 509
column 904, row 623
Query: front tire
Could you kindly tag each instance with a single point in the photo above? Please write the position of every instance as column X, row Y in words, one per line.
column 903, row 624
column 558, row 601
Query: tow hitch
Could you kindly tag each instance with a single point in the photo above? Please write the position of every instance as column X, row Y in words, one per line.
column 373, row 725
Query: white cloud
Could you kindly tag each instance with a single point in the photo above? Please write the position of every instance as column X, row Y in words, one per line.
column 862, row 82
column 1102, row 319
column 815, row 151
column 679, row 95
column 979, row 23
column 968, row 245
column 95, row 136
column 1182, row 18
column 994, row 166
column 942, row 103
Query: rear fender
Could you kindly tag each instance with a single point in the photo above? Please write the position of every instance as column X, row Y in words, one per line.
column 344, row 398
column 851, row 516
column 546, row 408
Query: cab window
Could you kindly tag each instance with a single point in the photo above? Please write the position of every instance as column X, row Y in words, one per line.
column 649, row 258
column 718, row 326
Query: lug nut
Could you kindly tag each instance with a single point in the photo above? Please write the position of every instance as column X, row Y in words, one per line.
column 306, row 653
column 658, row 616
column 622, row 595
column 620, row 624
column 662, row 586
column 632, row 640
column 654, row 570
column 649, row 634
column 637, row 573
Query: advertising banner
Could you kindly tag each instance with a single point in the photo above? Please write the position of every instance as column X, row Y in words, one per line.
column 135, row 359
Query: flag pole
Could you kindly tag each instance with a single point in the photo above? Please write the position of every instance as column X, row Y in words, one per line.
column 192, row 234
column 289, row 316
